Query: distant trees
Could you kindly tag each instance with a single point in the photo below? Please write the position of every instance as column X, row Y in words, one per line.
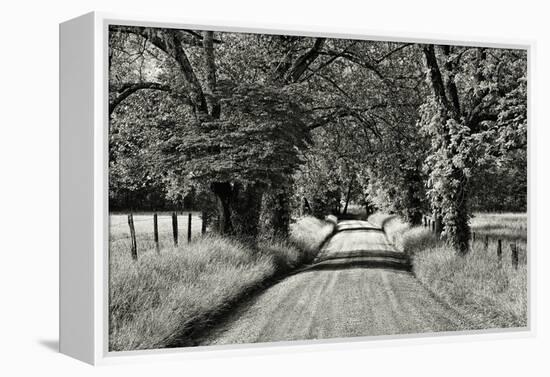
column 329, row 177
column 396, row 179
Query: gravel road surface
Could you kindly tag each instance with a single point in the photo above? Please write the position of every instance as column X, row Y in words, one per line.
column 360, row 285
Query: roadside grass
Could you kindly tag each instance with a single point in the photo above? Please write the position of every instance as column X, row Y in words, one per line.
column 158, row 300
column 493, row 293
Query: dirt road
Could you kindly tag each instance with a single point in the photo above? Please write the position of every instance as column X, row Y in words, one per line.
column 360, row 285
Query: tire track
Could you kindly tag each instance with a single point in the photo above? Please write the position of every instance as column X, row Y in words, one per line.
column 360, row 285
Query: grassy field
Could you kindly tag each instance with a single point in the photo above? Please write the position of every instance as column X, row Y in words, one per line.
column 143, row 224
column 162, row 298
column 494, row 293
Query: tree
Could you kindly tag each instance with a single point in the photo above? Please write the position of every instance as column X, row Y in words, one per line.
column 254, row 145
column 468, row 111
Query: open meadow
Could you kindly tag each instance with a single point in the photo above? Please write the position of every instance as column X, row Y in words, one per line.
column 119, row 231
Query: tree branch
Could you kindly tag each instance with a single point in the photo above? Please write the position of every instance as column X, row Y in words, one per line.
column 188, row 37
column 357, row 60
column 199, row 37
column 304, row 61
column 449, row 80
column 170, row 41
column 328, row 62
column 342, row 112
column 434, row 75
column 127, row 89
column 210, row 65
column 380, row 60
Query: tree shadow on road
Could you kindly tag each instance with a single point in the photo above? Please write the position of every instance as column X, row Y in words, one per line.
column 364, row 263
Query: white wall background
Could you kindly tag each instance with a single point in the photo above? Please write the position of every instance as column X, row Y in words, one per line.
column 29, row 184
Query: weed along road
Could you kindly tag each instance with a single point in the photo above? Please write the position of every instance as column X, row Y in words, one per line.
column 360, row 285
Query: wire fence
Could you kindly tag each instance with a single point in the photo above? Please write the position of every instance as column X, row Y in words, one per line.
column 154, row 228
column 517, row 249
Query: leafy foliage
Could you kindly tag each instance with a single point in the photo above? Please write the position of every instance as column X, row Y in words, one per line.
column 473, row 117
column 257, row 139
column 268, row 122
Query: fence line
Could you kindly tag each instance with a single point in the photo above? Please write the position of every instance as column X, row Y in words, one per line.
column 175, row 230
column 429, row 223
column 138, row 217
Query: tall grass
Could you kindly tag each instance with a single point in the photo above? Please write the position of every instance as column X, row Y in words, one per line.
column 477, row 284
column 160, row 299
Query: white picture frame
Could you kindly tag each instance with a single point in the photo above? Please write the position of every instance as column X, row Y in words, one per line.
column 84, row 199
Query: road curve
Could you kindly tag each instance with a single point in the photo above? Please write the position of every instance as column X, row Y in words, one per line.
column 360, row 285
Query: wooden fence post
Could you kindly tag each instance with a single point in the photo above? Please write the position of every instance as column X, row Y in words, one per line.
column 515, row 258
column 156, row 232
column 133, row 249
column 189, row 217
column 499, row 252
column 175, row 227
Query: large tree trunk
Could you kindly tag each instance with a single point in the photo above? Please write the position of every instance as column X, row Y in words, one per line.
column 239, row 208
column 457, row 228
column 276, row 212
column 210, row 65
column 463, row 233
column 224, row 193
column 247, row 206
column 453, row 200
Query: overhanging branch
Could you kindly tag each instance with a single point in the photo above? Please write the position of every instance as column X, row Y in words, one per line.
column 127, row 89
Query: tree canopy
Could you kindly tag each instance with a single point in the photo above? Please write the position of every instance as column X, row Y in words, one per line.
column 264, row 126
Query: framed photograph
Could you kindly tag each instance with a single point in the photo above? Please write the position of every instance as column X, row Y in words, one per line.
column 225, row 188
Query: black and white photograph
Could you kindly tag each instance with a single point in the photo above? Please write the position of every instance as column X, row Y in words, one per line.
column 275, row 189
column 267, row 188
